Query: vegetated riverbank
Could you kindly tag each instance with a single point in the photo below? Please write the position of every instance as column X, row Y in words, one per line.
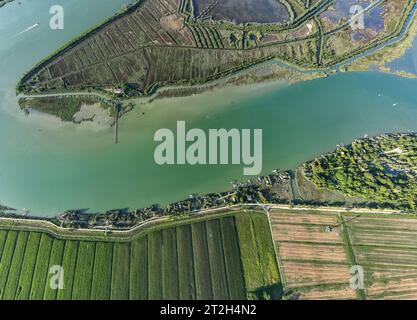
column 263, row 73
column 179, row 14
column 75, row 109
column 65, row 108
column 126, row 9
column 259, row 70
column 382, row 169
column 374, row 173
column 181, row 60
column 381, row 58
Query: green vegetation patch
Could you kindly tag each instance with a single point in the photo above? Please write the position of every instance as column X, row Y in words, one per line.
column 258, row 256
column 204, row 258
column 381, row 169
column 62, row 107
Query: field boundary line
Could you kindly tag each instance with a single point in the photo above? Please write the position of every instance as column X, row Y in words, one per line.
column 317, row 262
column 9, row 266
column 20, row 267
column 328, row 286
column 276, row 250
column 47, row 269
column 75, row 271
column 381, row 246
column 34, row 266
column 229, row 293
column 16, row 293
column 361, row 294
column 210, row 264
column 314, row 243
column 3, row 245
column 92, row 268
column 111, row 271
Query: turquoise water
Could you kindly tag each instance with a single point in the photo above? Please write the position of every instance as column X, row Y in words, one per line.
column 49, row 167
column 408, row 62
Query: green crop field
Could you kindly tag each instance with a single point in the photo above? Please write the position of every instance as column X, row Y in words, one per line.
column 203, row 258
column 258, row 257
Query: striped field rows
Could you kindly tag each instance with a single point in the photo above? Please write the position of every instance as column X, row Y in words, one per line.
column 201, row 260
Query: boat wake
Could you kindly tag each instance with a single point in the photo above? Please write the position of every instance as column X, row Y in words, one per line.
column 27, row 29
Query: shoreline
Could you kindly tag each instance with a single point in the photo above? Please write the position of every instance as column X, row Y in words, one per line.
column 273, row 189
column 76, row 40
column 43, row 224
column 130, row 104
column 241, row 91
column 383, row 57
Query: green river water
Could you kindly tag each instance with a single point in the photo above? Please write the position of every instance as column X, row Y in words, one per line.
column 48, row 167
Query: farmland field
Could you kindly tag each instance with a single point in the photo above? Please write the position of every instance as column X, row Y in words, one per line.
column 316, row 251
column 204, row 258
column 171, row 42
column 387, row 249
column 242, row 11
column 314, row 262
column 229, row 256
column 258, row 257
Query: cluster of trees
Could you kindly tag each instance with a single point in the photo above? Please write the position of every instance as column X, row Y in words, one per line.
column 381, row 169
